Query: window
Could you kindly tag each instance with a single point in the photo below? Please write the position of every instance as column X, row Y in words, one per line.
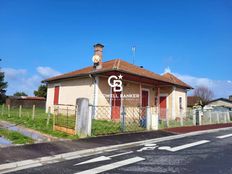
column 180, row 103
column 56, row 95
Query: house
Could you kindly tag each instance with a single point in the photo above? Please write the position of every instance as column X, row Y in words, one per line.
column 220, row 104
column 25, row 101
column 193, row 101
column 117, row 83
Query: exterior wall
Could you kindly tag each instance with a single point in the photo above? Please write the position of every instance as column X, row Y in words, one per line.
column 103, row 90
column 70, row 90
column 180, row 93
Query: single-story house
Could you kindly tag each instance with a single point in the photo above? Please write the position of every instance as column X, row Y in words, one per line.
column 220, row 104
column 193, row 101
column 139, row 87
column 25, row 101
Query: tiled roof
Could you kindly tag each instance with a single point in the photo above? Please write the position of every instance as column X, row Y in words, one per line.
column 193, row 100
column 122, row 66
column 175, row 80
column 27, row 97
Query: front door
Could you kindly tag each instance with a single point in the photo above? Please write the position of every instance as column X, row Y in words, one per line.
column 163, row 107
column 116, row 105
column 144, row 102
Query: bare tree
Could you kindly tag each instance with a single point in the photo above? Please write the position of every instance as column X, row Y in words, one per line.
column 204, row 93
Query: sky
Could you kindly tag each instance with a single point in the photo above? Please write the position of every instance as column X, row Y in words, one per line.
column 191, row 39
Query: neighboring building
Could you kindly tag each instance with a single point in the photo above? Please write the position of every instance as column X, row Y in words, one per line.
column 193, row 101
column 220, row 104
column 25, row 101
column 149, row 89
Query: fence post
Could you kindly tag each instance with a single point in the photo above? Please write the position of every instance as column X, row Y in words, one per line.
column 2, row 109
column 54, row 118
column 49, row 115
column 8, row 106
column 154, row 119
column 84, row 120
column 228, row 116
column 194, row 116
column 123, row 122
column 225, row 115
column 217, row 117
column 20, row 111
column 148, row 118
column 181, row 118
column 200, row 117
column 210, row 117
column 33, row 112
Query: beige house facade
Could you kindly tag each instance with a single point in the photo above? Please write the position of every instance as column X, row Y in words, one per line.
column 170, row 99
column 115, row 84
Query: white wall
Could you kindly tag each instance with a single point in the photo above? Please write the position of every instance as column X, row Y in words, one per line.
column 70, row 90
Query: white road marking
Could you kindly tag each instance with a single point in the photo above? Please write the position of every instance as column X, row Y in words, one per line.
column 120, row 154
column 185, row 146
column 112, row 166
column 224, row 136
column 102, row 158
column 147, row 147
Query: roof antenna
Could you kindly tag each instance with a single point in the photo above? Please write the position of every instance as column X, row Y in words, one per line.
column 133, row 49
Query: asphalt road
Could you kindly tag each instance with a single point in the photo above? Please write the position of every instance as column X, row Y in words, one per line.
column 207, row 153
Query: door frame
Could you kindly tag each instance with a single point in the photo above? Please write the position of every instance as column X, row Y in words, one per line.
column 148, row 90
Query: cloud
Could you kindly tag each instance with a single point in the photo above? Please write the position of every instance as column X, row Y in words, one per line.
column 21, row 80
column 167, row 70
column 221, row 88
column 12, row 73
column 47, row 72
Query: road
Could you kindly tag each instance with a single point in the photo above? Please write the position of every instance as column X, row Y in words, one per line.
column 206, row 153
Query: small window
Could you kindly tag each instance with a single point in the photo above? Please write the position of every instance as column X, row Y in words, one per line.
column 180, row 103
column 56, row 95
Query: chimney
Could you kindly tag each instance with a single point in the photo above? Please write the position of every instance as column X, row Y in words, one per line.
column 230, row 97
column 97, row 58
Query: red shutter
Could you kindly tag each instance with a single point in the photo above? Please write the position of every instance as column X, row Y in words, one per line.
column 56, row 95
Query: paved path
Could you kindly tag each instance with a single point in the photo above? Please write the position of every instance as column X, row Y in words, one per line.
column 206, row 153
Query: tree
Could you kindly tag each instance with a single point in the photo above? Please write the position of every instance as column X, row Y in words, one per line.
column 3, row 86
column 20, row 94
column 204, row 94
column 42, row 91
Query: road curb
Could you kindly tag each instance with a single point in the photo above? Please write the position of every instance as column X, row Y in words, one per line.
column 15, row 166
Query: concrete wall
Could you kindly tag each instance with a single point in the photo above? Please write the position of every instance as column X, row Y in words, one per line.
column 70, row 90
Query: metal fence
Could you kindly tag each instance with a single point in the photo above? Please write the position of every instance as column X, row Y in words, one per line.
column 114, row 119
column 65, row 118
column 109, row 120
column 193, row 117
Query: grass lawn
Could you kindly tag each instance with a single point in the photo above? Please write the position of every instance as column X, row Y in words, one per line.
column 105, row 127
column 15, row 137
column 39, row 123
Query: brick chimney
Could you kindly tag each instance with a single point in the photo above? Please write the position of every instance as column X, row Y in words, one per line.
column 98, row 49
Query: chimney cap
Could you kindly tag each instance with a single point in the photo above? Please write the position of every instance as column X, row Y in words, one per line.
column 98, row 45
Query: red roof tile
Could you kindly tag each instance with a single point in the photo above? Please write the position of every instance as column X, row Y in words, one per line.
column 123, row 66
